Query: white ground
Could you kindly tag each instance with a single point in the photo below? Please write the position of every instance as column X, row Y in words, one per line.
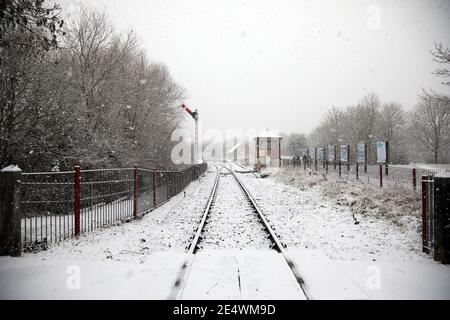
column 307, row 219
column 339, row 258
column 336, row 258
column 240, row 274
column 139, row 259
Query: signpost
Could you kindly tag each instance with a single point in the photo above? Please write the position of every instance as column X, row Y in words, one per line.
column 344, row 153
column 383, row 154
column 362, row 154
column 321, row 155
column 194, row 115
column 331, row 153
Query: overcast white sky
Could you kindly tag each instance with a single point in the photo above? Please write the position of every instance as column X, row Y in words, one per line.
column 281, row 64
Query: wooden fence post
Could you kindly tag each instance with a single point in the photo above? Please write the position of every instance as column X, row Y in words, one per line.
column 10, row 217
column 381, row 175
column 340, row 169
column 357, row 170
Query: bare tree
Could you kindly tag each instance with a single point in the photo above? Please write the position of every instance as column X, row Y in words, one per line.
column 296, row 141
column 431, row 120
column 38, row 24
column 442, row 55
column 391, row 124
column 334, row 126
column 28, row 33
column 97, row 100
column 97, row 54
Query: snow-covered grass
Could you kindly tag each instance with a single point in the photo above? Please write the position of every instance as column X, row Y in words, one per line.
column 345, row 220
column 400, row 206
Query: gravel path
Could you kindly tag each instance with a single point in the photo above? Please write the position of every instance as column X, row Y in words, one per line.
column 232, row 224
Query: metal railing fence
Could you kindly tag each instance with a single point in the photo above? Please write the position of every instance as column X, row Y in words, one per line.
column 398, row 176
column 60, row 205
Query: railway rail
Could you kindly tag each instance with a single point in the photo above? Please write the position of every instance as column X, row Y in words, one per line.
column 178, row 287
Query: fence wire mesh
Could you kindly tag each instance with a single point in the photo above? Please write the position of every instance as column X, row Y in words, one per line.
column 49, row 200
column 398, row 176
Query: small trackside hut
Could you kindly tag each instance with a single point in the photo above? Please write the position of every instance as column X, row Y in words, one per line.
column 268, row 149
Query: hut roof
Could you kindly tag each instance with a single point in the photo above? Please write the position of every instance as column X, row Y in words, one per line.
column 268, row 134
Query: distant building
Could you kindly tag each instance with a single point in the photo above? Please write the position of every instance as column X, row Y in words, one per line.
column 268, row 149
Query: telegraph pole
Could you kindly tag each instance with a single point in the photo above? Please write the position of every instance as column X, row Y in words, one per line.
column 194, row 115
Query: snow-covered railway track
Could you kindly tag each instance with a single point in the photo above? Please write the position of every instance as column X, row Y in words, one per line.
column 232, row 222
column 248, row 231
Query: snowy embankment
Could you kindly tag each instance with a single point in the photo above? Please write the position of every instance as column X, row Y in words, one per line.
column 122, row 261
column 345, row 220
column 350, row 240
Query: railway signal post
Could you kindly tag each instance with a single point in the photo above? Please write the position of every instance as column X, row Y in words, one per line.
column 194, row 115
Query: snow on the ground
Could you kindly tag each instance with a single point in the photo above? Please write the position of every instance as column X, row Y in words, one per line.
column 139, row 259
column 168, row 227
column 340, row 252
column 304, row 217
column 327, row 278
column 427, row 166
column 399, row 280
column 240, row 274
column 343, row 253
column 31, row 277
column 232, row 223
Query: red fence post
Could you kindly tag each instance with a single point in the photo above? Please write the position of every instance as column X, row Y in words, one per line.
column 414, row 182
column 357, row 171
column 381, row 175
column 77, row 200
column 154, row 189
column 135, row 191
column 424, row 214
